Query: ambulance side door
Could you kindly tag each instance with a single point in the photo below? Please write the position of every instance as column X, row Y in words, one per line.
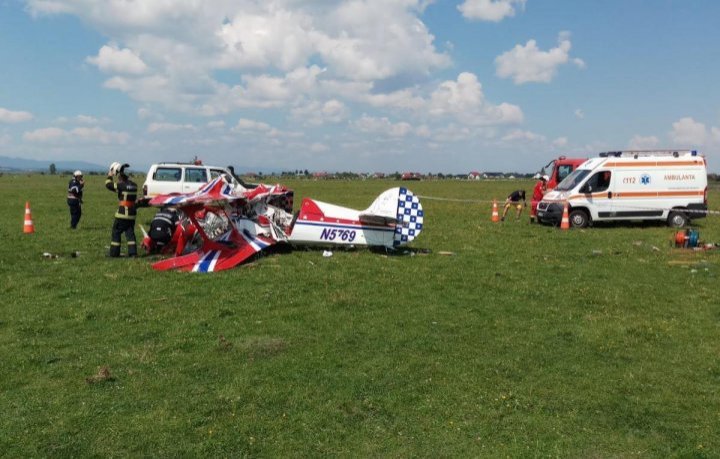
column 598, row 191
column 636, row 195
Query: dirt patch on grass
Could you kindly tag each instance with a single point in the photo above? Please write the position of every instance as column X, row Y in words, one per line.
column 261, row 347
column 103, row 375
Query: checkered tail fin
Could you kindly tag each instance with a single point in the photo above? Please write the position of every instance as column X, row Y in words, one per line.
column 398, row 208
column 410, row 217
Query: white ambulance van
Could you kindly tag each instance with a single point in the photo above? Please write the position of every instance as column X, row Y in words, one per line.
column 663, row 185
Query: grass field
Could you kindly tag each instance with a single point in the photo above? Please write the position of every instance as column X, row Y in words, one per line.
column 528, row 341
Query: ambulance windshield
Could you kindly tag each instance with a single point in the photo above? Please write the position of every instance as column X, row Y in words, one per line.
column 572, row 180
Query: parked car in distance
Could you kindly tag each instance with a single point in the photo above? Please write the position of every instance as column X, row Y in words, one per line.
column 166, row 178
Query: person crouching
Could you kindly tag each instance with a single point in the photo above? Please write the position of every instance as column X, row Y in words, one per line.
column 515, row 199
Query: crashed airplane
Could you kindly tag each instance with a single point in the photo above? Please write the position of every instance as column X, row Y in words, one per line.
column 234, row 223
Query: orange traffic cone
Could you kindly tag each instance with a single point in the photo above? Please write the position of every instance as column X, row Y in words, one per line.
column 565, row 222
column 495, row 215
column 28, row 227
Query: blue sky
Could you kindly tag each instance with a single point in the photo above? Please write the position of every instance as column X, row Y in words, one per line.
column 357, row 85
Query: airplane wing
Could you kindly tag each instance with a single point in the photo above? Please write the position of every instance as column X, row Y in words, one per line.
column 226, row 252
column 215, row 191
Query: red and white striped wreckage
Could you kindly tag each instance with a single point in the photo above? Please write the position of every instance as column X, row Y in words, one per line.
column 235, row 222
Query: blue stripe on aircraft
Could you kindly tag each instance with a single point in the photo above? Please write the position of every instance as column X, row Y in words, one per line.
column 204, row 264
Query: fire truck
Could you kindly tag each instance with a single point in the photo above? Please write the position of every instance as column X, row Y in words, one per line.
column 561, row 167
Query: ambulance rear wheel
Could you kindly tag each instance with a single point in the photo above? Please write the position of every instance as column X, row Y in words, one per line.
column 677, row 220
column 579, row 219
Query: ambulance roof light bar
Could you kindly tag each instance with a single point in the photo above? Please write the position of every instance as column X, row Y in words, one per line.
column 642, row 153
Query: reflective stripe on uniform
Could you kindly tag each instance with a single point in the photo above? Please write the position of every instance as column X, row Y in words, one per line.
column 164, row 219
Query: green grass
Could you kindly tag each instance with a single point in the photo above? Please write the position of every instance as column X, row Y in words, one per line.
column 528, row 341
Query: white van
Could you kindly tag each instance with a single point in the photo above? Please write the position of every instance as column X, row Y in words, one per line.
column 631, row 185
column 166, row 178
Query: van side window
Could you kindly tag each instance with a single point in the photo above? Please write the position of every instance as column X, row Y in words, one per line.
column 599, row 182
column 563, row 171
column 195, row 175
column 167, row 174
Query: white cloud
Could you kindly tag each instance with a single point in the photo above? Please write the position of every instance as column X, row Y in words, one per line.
column 423, row 131
column 81, row 134
column 144, row 113
column 81, row 119
column 579, row 114
column 453, row 133
column 110, row 59
column 383, row 126
column 9, row 116
column 518, row 135
column 99, row 135
column 464, row 100
column 529, row 64
column 318, row 147
column 560, row 142
column 86, row 119
column 245, row 124
column 279, row 38
column 45, row 134
column 155, row 88
column 687, row 132
column 715, row 135
column 216, row 124
column 169, row 127
column 639, row 142
column 490, row 10
column 169, row 52
column 301, row 64
column 376, row 39
column 317, row 113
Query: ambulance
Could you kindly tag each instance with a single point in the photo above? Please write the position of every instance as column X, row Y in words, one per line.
column 666, row 185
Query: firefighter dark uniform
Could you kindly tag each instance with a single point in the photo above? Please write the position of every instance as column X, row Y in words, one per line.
column 74, row 198
column 125, row 216
column 162, row 227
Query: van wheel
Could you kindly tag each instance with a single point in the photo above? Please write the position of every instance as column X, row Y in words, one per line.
column 677, row 220
column 579, row 219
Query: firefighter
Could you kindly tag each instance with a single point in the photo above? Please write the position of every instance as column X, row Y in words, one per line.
column 514, row 200
column 538, row 193
column 163, row 227
column 124, row 221
column 74, row 198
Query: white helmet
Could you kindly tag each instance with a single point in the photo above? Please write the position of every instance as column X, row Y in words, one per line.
column 114, row 168
column 77, row 173
column 546, row 178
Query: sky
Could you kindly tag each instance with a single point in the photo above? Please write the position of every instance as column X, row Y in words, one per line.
column 446, row 86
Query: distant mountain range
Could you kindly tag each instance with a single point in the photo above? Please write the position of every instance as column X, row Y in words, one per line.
column 20, row 164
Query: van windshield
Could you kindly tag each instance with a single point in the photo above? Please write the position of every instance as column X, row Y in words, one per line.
column 572, row 180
